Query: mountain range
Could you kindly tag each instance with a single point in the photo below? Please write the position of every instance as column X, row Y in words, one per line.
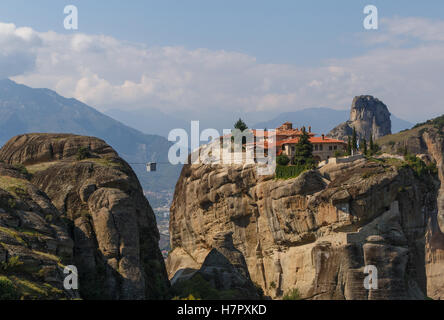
column 28, row 110
column 139, row 136
column 322, row 120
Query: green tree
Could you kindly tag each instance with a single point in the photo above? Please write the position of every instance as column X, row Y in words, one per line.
column 304, row 151
column 372, row 145
column 349, row 146
column 354, row 140
column 364, row 146
column 282, row 160
column 241, row 125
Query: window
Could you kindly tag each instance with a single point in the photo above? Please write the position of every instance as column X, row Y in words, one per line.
column 292, row 149
column 321, row 147
column 330, row 148
column 335, row 147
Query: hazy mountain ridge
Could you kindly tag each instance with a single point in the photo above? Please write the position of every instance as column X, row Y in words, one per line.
column 322, row 120
column 27, row 110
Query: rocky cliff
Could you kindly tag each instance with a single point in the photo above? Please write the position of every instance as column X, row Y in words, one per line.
column 427, row 140
column 368, row 116
column 71, row 200
column 315, row 233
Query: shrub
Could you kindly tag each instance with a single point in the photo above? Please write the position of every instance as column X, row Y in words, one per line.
column 282, row 160
column 287, row 172
column 419, row 167
column 199, row 288
column 22, row 169
column 83, row 153
column 339, row 154
column 7, row 290
column 293, row 294
column 11, row 264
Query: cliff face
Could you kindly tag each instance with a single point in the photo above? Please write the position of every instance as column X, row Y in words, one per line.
column 316, row 232
column 34, row 241
column 368, row 116
column 427, row 140
column 108, row 222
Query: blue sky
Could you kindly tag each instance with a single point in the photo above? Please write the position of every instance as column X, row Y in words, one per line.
column 273, row 31
column 205, row 58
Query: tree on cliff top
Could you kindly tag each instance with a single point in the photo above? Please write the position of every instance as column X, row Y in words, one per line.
column 304, row 151
column 354, row 140
column 241, row 125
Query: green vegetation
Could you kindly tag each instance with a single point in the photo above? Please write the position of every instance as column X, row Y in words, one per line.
column 374, row 148
column 7, row 289
column 419, row 167
column 22, row 169
column 339, row 154
column 363, row 146
column 12, row 263
column 349, row 147
column 13, row 233
column 14, row 186
column 282, row 160
column 241, row 125
column 302, row 160
column 293, row 294
column 190, row 297
column 199, row 288
column 288, row 172
column 438, row 123
column 105, row 162
column 83, row 153
column 303, row 156
column 354, row 140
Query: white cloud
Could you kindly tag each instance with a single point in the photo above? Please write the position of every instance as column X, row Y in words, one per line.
column 17, row 54
column 107, row 73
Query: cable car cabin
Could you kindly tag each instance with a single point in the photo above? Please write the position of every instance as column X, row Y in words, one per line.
column 151, row 167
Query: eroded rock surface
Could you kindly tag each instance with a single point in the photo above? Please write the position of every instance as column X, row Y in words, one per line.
column 369, row 116
column 427, row 140
column 109, row 224
column 316, row 232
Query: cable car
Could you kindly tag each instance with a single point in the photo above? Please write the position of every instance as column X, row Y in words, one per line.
column 151, row 166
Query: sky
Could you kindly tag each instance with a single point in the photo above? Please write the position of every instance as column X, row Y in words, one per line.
column 191, row 58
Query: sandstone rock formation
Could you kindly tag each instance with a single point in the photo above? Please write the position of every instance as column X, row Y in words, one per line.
column 427, row 140
column 368, row 116
column 224, row 268
column 316, row 232
column 34, row 241
column 109, row 231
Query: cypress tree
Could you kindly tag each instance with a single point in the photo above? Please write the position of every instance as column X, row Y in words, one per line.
column 354, row 140
column 241, row 125
column 364, row 146
column 372, row 146
column 304, row 151
column 349, row 146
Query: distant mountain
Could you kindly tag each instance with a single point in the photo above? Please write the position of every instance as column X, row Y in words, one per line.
column 322, row 120
column 27, row 110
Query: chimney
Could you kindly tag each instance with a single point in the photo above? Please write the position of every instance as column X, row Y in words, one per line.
column 323, row 137
column 309, row 129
